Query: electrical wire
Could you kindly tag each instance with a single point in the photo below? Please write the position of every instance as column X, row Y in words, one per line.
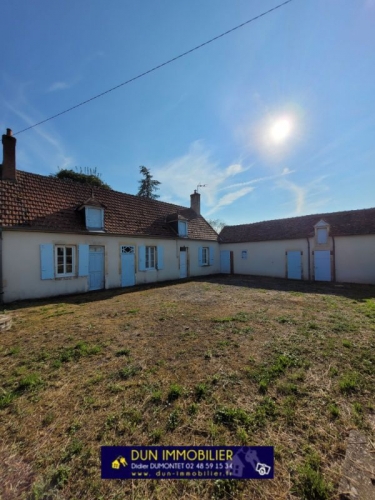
column 157, row 67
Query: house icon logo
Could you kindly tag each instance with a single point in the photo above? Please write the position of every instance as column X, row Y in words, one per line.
column 118, row 462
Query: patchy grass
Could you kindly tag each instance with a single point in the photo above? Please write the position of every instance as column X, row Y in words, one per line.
column 281, row 363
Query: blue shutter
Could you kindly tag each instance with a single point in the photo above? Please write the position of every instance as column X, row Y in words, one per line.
column 142, row 258
column 211, row 257
column 47, row 271
column 182, row 228
column 200, row 256
column 94, row 218
column 83, row 260
column 160, row 256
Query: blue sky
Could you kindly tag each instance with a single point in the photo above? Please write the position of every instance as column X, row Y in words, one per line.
column 206, row 118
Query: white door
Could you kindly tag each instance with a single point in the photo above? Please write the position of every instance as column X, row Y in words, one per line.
column 322, row 265
column 96, row 268
column 225, row 261
column 127, row 266
column 183, row 263
column 294, row 265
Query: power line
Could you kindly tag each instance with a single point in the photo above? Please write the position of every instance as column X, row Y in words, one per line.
column 157, row 67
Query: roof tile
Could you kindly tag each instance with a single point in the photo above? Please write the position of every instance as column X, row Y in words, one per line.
column 349, row 223
column 47, row 203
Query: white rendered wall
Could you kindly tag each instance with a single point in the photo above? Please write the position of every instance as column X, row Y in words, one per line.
column 21, row 262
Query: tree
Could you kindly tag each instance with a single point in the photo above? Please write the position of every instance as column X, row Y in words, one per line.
column 217, row 224
column 147, row 186
column 84, row 176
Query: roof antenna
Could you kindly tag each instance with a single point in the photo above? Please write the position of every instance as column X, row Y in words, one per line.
column 201, row 186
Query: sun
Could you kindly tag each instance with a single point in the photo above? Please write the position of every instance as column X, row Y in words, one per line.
column 280, row 130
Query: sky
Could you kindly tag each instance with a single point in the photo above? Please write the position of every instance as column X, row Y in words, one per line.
column 276, row 119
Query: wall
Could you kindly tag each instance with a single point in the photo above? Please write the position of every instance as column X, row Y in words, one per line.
column 266, row 258
column 21, row 262
column 355, row 259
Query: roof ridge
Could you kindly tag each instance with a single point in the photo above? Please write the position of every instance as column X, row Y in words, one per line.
column 99, row 188
column 302, row 216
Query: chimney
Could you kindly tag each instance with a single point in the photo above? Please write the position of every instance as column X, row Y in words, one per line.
column 8, row 168
column 195, row 202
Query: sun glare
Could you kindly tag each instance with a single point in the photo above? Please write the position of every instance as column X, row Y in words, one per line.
column 281, row 130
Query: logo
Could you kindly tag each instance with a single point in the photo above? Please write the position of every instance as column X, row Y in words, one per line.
column 119, row 461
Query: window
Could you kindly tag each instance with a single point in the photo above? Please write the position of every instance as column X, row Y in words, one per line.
column 64, row 260
column 150, row 257
column 182, row 228
column 322, row 235
column 94, row 218
column 205, row 254
column 244, row 254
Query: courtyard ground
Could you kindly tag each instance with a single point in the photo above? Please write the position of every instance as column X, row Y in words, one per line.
column 234, row 360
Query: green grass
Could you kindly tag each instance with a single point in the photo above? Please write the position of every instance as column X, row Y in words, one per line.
column 263, row 362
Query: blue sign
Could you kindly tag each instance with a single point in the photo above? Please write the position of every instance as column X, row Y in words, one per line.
column 187, row 462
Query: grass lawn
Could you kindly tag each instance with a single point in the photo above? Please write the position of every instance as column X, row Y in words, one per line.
column 227, row 360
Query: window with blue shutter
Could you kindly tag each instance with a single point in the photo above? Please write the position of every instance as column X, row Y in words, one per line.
column 211, row 257
column 200, row 253
column 47, row 271
column 182, row 228
column 83, row 260
column 203, row 256
column 160, row 257
column 142, row 258
column 94, row 218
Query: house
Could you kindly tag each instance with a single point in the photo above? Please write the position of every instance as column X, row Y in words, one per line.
column 336, row 246
column 61, row 237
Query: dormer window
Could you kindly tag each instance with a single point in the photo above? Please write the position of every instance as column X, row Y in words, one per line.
column 321, row 232
column 182, row 228
column 94, row 218
column 322, row 235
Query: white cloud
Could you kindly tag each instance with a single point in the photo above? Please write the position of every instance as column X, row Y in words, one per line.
column 306, row 199
column 234, row 169
column 58, row 86
column 182, row 175
column 38, row 150
column 229, row 198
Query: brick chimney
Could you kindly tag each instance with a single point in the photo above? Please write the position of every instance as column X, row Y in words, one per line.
column 8, row 167
column 195, row 202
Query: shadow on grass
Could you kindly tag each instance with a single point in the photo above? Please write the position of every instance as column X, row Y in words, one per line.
column 355, row 292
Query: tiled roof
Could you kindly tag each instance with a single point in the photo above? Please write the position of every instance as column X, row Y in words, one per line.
column 350, row 223
column 38, row 202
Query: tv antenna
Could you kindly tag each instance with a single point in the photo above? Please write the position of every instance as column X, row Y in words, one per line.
column 201, row 186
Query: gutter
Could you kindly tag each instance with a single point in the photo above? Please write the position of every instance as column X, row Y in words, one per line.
column 334, row 258
column 308, row 257
column 1, row 267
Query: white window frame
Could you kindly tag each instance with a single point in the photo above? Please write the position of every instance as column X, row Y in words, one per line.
column 182, row 224
column 65, row 274
column 150, row 255
column 205, row 256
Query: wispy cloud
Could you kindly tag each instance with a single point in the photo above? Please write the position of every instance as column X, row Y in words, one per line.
column 58, row 86
column 306, row 198
column 39, row 150
column 183, row 174
column 229, row 198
